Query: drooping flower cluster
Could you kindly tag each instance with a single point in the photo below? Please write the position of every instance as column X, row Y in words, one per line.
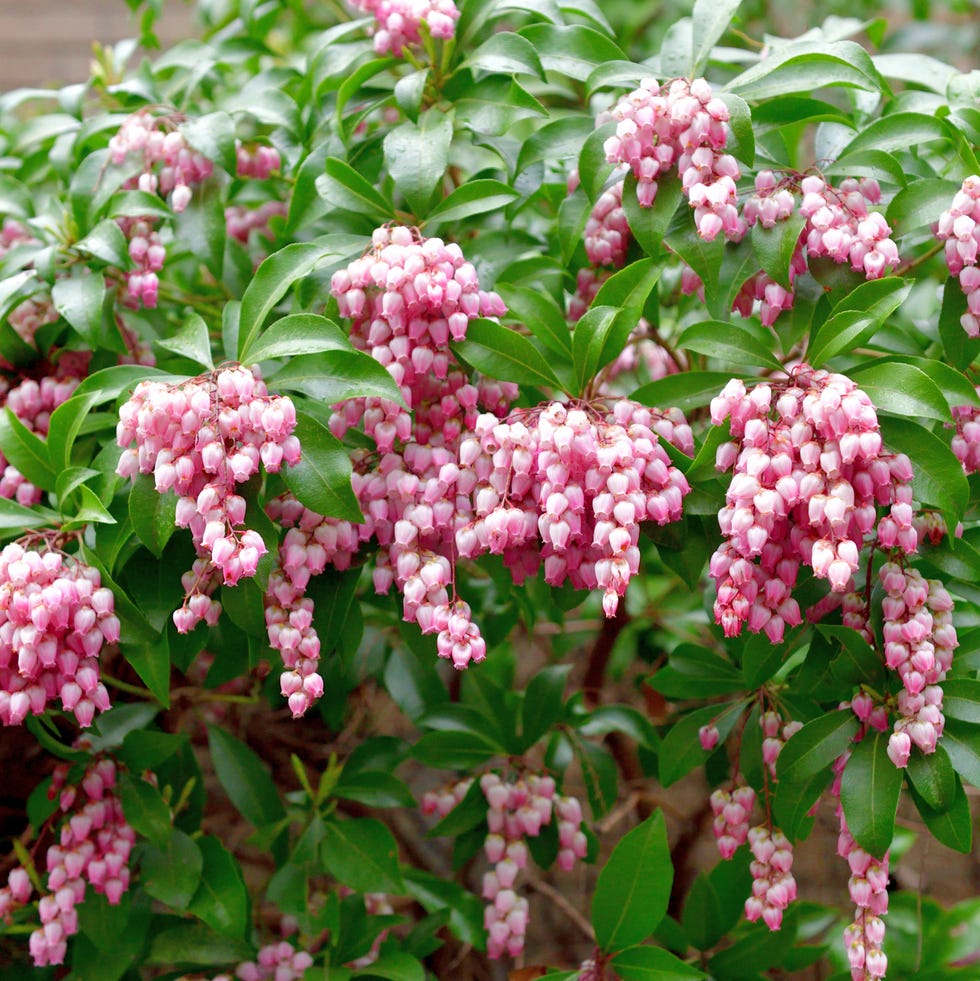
column 680, row 124
column 773, row 885
column 242, row 221
column 775, row 733
column 868, row 888
column 966, row 441
column 401, row 23
column 169, row 166
column 568, row 486
column 959, row 228
column 259, row 161
column 731, row 810
column 408, row 296
column 518, row 810
column 607, row 233
column 93, row 849
column 201, row 439
column 919, row 642
column 809, row 479
column 55, row 618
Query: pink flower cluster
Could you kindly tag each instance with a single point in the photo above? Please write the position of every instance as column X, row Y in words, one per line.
column 966, row 441
column 93, row 850
column 401, row 23
column 519, row 810
column 241, row 220
column 32, row 402
column 868, row 888
column 808, row 481
column 775, row 733
column 959, row 228
column 276, row 962
column 408, row 296
column 679, row 124
column 201, row 438
column 55, row 617
column 731, row 809
column 168, row 166
column 569, row 486
column 919, row 642
column 259, row 162
column 773, row 885
column 607, row 233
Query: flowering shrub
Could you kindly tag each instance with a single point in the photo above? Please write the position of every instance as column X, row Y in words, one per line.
column 583, row 413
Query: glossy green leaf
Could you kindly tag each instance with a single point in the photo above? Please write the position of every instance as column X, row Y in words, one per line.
column 333, row 376
column 653, row 964
column 951, row 825
column 920, row 204
column 374, row 788
column 64, row 426
column 362, row 854
column 106, row 243
column 709, row 21
column 150, row 659
column 573, row 50
column 417, row 155
column 649, row 225
column 145, row 809
column 196, row 944
column 79, row 299
column 727, row 342
column 681, row 749
column 192, row 341
column 244, row 778
column 933, row 778
column 870, row 788
column 542, row 316
column 813, row 748
column 506, row 53
column 633, row 888
column 962, row 744
column 321, row 478
column 172, row 872
column 899, row 131
column 221, row 899
column 961, row 699
column 543, row 702
column 473, row 198
column 775, row 247
column 502, row 353
column 26, row 451
column 687, row 390
column 903, row 390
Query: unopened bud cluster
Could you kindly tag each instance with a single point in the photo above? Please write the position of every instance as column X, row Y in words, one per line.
column 679, row 124
column 516, row 811
column 259, row 162
column 919, row 641
column 400, row 23
column 55, row 617
column 568, row 486
column 959, row 228
column 732, row 810
column 809, row 476
column 93, row 849
column 201, row 439
column 773, row 885
column 775, row 733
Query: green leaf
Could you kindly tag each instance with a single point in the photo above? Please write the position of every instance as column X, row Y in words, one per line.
column 417, row 154
column 938, row 476
column 450, row 750
column 26, row 451
column 686, row 391
column 709, row 21
column 213, row 134
column 196, row 944
column 622, row 719
column 343, row 187
column 556, row 142
column 962, row 745
column 506, row 53
column 107, row 243
column 334, row 376
column 465, row 910
column 960, row 349
column 394, row 966
column 63, row 427
column 933, row 778
column 474, row 197
column 469, row 813
column 856, row 318
column 192, row 341
column 727, row 342
column 245, row 779
column 775, row 246
column 362, row 854
column 574, row 51
column 653, row 964
column 321, row 478
column 649, row 225
column 793, row 802
column 151, row 513
column 628, row 290
column 541, row 315
column 951, row 825
column 543, row 702
column 172, row 872
column 502, row 353
column 588, row 340
column 633, row 888
column 150, row 659
column 899, row 131
column 271, row 282
column 14, row 516
column 375, row 788
column 903, row 390
column 222, row 899
column 961, row 699
column 811, row 750
column 696, row 672
column 79, row 299
column 681, row 749
column 919, row 204
column 870, row 788
column 145, row 809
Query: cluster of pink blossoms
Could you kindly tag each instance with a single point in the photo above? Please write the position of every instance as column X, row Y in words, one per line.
column 55, row 617
column 568, row 486
column 259, row 162
column 775, row 733
column 731, row 810
column 966, row 441
column 919, row 642
column 773, row 885
column 400, row 24
column 241, row 220
column 201, row 438
column 93, row 850
column 808, row 481
column 279, row 961
column 680, row 124
column 169, row 166
column 959, row 228
column 868, row 888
